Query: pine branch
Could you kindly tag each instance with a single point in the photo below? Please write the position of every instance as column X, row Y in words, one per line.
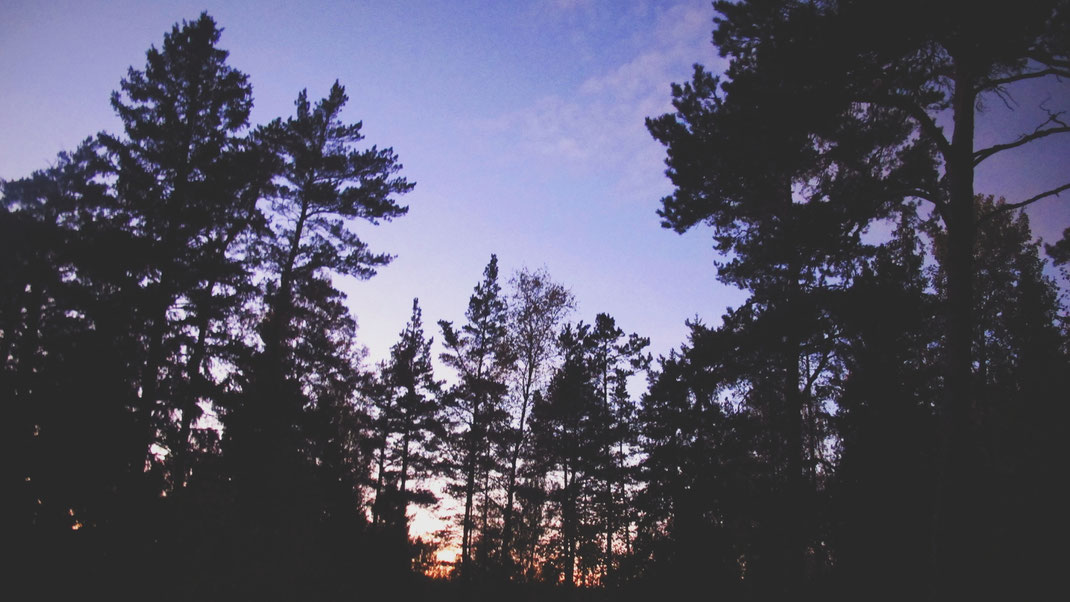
column 925, row 121
column 1011, row 206
column 1038, row 133
column 993, row 84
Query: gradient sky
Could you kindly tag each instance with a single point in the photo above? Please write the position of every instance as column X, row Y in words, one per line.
column 521, row 123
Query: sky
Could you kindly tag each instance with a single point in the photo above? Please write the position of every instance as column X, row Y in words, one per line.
column 521, row 122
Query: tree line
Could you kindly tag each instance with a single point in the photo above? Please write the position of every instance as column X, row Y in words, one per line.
column 191, row 416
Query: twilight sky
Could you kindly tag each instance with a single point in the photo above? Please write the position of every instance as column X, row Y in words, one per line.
column 521, row 123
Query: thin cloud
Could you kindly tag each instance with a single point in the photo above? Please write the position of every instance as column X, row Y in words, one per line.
column 601, row 125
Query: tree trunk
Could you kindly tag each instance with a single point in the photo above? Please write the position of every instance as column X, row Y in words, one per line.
column 402, row 492
column 150, row 374
column 469, row 494
column 568, row 516
column 193, row 377
column 379, row 482
column 507, row 526
column 198, row 355
column 793, row 505
column 960, row 545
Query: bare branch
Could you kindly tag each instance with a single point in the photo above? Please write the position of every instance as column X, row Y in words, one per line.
column 1040, row 132
column 1005, row 96
column 1029, row 201
column 1002, row 81
column 981, row 155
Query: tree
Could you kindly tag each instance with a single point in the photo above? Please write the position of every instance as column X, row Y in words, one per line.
column 1019, row 380
column 130, row 301
column 582, row 437
column 742, row 159
column 859, row 69
column 186, row 186
column 295, row 465
column 480, row 356
column 615, row 359
column 324, row 183
column 73, row 458
column 881, row 498
column 413, row 420
column 566, row 441
column 940, row 62
column 704, row 469
column 536, row 306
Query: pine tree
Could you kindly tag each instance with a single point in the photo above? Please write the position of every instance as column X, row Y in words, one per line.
column 186, row 186
column 296, row 463
column 478, row 352
column 325, row 182
column 704, row 470
column 1019, row 380
column 742, row 159
column 583, row 442
column 413, row 422
column 858, row 90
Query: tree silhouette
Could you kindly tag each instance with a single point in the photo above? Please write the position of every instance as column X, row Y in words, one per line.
column 480, row 356
column 854, row 93
column 186, row 187
column 296, row 408
column 537, row 306
column 413, row 422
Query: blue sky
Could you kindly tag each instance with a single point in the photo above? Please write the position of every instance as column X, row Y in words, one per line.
column 521, row 123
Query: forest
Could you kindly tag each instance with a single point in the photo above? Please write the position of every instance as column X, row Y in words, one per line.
column 884, row 417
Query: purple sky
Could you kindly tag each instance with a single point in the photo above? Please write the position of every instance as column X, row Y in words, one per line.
column 521, row 123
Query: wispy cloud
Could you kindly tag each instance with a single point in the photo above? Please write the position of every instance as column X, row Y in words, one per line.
column 569, row 5
column 600, row 125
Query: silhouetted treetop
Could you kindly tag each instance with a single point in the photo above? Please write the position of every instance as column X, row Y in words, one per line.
column 324, row 182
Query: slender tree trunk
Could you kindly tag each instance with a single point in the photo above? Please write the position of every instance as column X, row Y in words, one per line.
column 469, row 494
column 197, row 357
column 150, row 374
column 568, row 516
column 795, row 503
column 404, row 470
column 379, row 482
column 193, row 377
column 484, row 543
column 794, row 512
column 607, row 565
column 960, row 541
column 280, row 307
column 514, row 460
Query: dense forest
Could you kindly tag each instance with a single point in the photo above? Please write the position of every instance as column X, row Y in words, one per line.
column 192, row 416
